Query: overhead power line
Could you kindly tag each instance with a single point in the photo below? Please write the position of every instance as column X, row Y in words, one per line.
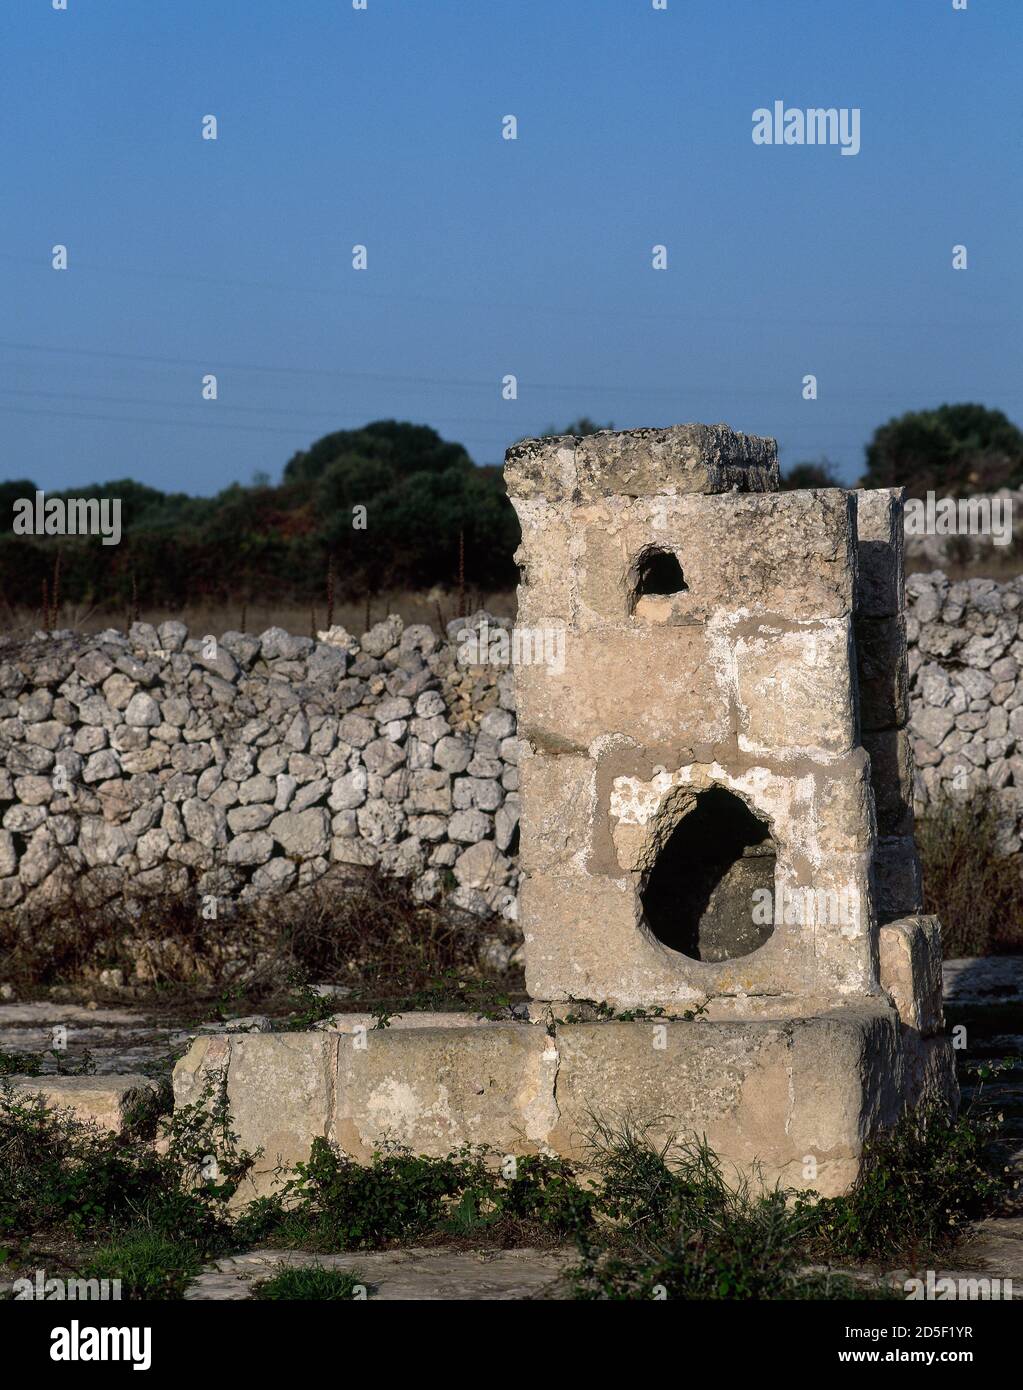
column 215, row 364
column 598, row 307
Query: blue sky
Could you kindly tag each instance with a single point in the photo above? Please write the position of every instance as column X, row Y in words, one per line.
column 486, row 256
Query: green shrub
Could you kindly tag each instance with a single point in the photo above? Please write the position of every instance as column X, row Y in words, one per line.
column 919, row 1187
column 58, row 1173
column 20, row 1063
column 149, row 1265
column 677, row 1230
column 334, row 1203
column 362, row 1207
column 545, row 1191
column 672, row 1226
column 311, row 1284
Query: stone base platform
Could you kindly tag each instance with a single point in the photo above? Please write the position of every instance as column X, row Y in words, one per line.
column 793, row 1098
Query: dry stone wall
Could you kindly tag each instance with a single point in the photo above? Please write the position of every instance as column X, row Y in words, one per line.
column 966, row 689
column 247, row 765
column 158, row 762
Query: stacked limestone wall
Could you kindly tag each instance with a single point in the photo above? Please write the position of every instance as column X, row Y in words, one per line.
column 966, row 690
column 253, row 764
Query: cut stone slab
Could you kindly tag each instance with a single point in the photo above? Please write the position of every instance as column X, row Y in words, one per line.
column 909, row 953
column 650, row 685
column 279, row 1088
column 643, row 462
column 880, row 585
column 436, row 1089
column 790, row 1098
column 794, row 689
column 797, row 532
column 106, row 1101
column 38, row 1012
column 362, row 1023
column 798, row 1097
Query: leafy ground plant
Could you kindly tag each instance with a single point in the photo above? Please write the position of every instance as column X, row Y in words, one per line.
column 673, row 1227
column 650, row 1219
column 335, row 1204
column 312, row 1284
column 145, row 1214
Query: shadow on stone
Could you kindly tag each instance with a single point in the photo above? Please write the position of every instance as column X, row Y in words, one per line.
column 699, row 896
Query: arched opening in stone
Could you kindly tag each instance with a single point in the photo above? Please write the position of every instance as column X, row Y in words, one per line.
column 658, row 574
column 699, row 895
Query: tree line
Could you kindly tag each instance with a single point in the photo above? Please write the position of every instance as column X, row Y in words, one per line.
column 394, row 506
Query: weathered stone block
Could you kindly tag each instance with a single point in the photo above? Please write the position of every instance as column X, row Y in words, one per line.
column 898, row 884
column 794, row 689
column 880, row 591
column 883, row 678
column 640, row 463
column 546, row 567
column 654, row 685
column 929, row 1073
column 891, row 777
column 561, row 791
column 794, row 1097
column 279, row 1089
column 723, row 567
column 780, row 1098
column 608, row 953
column 436, row 1089
column 909, row 964
column 105, row 1101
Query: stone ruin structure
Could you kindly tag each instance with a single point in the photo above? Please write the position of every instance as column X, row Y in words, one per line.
column 731, row 716
column 720, row 894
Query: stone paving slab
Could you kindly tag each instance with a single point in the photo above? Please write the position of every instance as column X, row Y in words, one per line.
column 997, row 1249
column 983, row 980
column 120, row 1040
column 418, row 1274
column 37, row 1012
column 994, row 1253
column 424, row 1274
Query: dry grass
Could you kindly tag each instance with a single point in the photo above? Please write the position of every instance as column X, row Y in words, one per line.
column 435, row 607
column 354, row 928
column 977, row 892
